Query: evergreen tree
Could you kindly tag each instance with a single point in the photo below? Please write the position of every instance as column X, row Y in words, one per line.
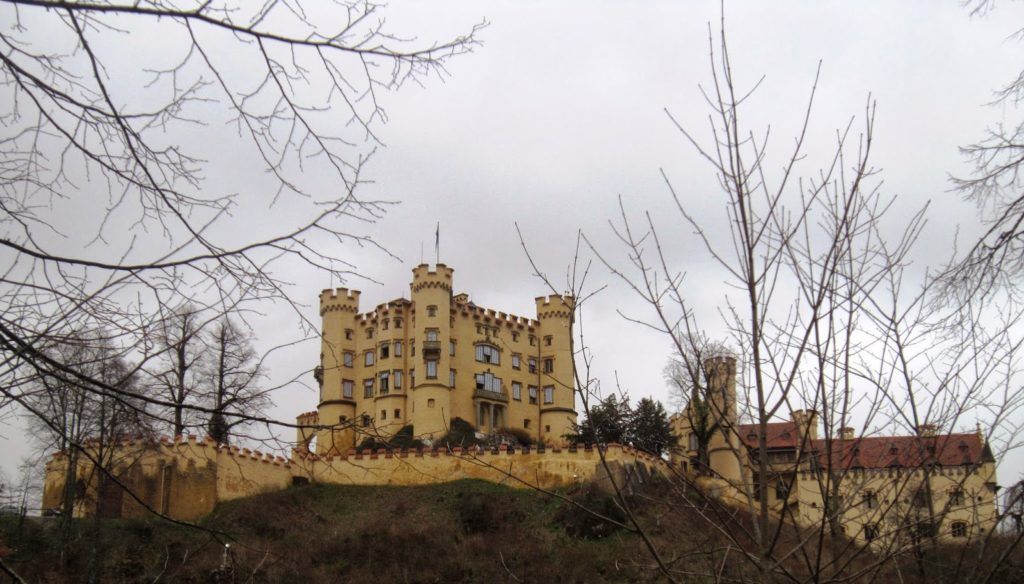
column 649, row 428
column 606, row 422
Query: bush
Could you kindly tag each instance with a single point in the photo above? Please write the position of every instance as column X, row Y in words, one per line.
column 404, row 438
column 580, row 521
column 518, row 435
column 461, row 433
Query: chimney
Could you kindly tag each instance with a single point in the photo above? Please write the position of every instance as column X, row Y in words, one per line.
column 807, row 423
column 846, row 433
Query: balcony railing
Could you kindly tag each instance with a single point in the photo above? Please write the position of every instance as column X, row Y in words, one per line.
column 491, row 395
column 431, row 349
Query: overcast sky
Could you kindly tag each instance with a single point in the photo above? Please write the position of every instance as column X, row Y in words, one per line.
column 563, row 110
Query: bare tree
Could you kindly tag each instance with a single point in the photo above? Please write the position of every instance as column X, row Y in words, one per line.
column 181, row 348
column 232, row 375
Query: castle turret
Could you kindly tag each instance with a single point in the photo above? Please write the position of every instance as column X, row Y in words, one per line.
column 337, row 406
column 724, row 445
column 556, row 367
column 431, row 331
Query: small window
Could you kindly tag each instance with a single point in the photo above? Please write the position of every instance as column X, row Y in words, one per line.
column 515, row 360
column 549, row 394
column 397, row 377
column 515, row 337
column 782, row 490
column 366, row 421
column 451, row 378
column 547, row 340
column 956, row 497
column 533, row 394
column 870, row 532
column 383, row 415
column 346, row 389
column 385, row 350
column 398, row 413
column 549, row 365
column 430, row 403
column 870, row 499
column 432, row 334
column 533, row 341
column 431, row 369
column 348, row 334
column 412, row 348
column 412, row 378
column 531, row 365
column 368, row 358
column 451, row 348
column 398, row 348
column 398, row 323
column 347, row 359
column 517, row 391
column 432, row 310
column 959, row 529
column 488, row 354
column 694, row 442
column 369, row 333
column 384, row 386
column 368, row 388
column 526, row 423
column 547, row 429
column 384, row 324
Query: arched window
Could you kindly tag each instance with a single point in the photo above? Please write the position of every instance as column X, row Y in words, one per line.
column 487, row 354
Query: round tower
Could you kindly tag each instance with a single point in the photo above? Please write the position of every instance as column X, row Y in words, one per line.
column 556, row 367
column 431, row 293
column 338, row 309
column 724, row 447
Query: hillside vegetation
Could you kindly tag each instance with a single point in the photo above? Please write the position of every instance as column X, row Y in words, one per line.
column 465, row 531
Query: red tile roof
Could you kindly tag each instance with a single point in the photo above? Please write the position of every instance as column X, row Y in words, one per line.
column 780, row 435
column 904, row 451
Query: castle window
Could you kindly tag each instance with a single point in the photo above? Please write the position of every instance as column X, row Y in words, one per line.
column 549, row 365
column 547, row 429
column 694, row 442
column 432, row 334
column 547, row 340
column 487, row 354
column 348, row 334
column 346, row 389
column 781, row 490
column 533, row 341
column 451, row 348
column 517, row 390
column 432, row 310
column 515, row 360
column 398, row 414
column 870, row 499
column 431, row 369
column 347, row 359
column 368, row 387
column 549, row 394
column 369, row 333
column 366, row 421
column 531, row 365
column 385, row 350
column 533, row 393
column 488, row 382
column 451, row 378
column 368, row 358
column 430, row 403
column 384, row 324
column 515, row 337
column 383, row 415
column 870, row 532
column 526, row 423
column 398, row 348
column 397, row 376
column 959, row 529
column 384, row 387
column 956, row 497
column 398, row 323
column 412, row 348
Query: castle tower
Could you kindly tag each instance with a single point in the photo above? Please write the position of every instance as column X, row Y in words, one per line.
column 556, row 367
column 724, row 446
column 337, row 309
column 431, row 292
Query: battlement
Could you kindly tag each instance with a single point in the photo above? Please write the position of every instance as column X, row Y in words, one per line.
column 555, row 306
column 492, row 316
column 723, row 363
column 425, row 277
column 308, row 418
column 339, row 299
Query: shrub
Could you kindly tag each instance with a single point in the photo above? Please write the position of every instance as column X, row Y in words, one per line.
column 461, row 433
column 518, row 435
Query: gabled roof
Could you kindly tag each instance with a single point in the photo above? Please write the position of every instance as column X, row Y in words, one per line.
column 904, row 451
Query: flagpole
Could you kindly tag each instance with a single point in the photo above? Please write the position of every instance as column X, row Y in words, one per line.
column 437, row 244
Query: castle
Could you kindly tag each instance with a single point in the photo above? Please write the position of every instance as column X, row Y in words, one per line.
column 871, row 488
column 424, row 361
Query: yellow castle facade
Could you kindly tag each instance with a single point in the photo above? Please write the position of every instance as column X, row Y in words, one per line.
column 882, row 489
column 437, row 356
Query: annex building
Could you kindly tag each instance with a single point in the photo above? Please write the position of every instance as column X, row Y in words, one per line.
column 875, row 488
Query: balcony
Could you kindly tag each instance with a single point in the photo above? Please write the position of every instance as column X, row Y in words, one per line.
column 491, row 395
column 431, row 350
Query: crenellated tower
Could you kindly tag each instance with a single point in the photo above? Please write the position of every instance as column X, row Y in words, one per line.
column 431, row 401
column 338, row 308
column 556, row 366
